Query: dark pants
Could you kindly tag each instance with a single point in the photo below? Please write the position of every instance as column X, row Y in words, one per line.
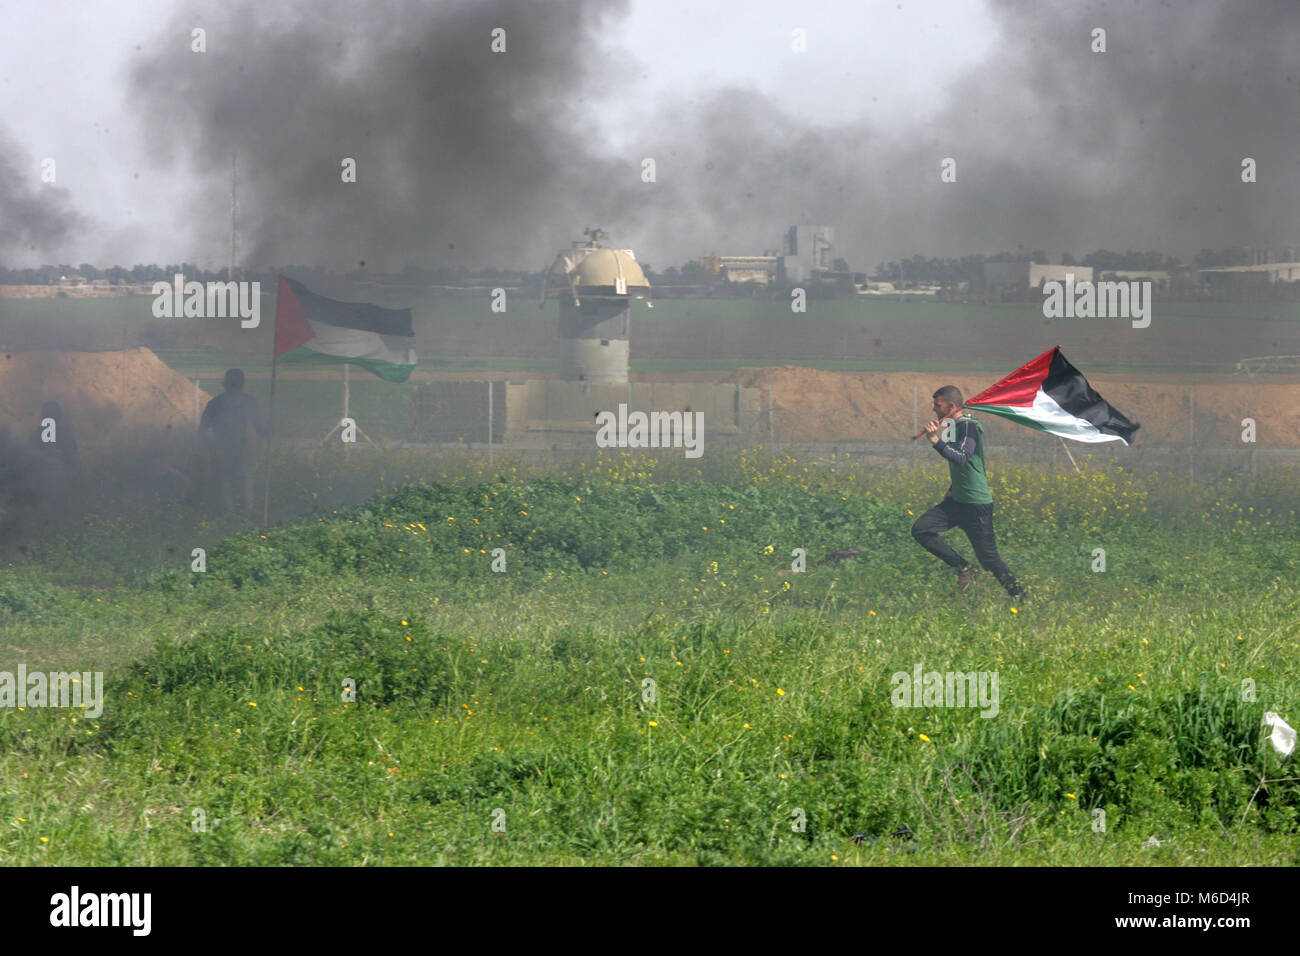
column 233, row 470
column 977, row 522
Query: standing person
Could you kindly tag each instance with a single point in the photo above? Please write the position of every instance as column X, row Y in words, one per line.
column 53, row 451
column 39, row 477
column 967, row 504
column 224, row 425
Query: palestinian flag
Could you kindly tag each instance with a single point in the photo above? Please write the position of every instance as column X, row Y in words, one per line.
column 312, row 328
column 1051, row 395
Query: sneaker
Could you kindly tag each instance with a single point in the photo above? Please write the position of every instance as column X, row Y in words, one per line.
column 965, row 577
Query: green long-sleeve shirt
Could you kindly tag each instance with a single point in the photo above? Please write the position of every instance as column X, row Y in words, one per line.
column 965, row 457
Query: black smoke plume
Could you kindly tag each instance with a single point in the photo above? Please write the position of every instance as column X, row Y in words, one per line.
column 466, row 157
column 34, row 216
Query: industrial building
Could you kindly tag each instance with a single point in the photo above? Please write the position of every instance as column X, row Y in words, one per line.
column 1159, row 278
column 1265, row 272
column 756, row 269
column 807, row 251
column 1032, row 274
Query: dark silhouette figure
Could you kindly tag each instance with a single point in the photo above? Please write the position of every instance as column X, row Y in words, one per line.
column 224, row 428
column 37, row 479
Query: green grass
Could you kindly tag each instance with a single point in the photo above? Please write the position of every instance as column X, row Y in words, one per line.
column 111, row 310
column 523, row 691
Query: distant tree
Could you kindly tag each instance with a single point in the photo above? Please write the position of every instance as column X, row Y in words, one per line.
column 1219, row 258
column 1106, row 260
column 1103, row 259
column 841, row 265
column 1038, row 257
column 1068, row 260
column 1144, row 260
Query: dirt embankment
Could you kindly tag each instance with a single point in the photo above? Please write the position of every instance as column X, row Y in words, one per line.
column 818, row 406
column 105, row 396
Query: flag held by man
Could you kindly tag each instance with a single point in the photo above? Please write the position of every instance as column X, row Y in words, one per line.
column 1051, row 395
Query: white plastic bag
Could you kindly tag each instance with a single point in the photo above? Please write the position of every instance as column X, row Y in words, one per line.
column 1283, row 736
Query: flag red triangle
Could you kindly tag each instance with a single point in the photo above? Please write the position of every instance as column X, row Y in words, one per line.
column 1019, row 388
column 291, row 326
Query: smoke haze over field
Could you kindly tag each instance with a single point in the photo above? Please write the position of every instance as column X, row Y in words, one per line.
column 462, row 155
column 466, row 157
column 33, row 216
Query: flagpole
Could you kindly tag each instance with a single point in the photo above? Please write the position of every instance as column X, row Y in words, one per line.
column 270, row 433
column 1067, row 452
column 270, row 412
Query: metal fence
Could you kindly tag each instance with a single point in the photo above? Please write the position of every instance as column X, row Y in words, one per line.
column 472, row 416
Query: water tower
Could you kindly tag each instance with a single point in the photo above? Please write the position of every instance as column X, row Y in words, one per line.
column 595, row 286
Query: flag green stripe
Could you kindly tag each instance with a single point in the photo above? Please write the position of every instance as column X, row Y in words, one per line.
column 388, row 371
column 1013, row 413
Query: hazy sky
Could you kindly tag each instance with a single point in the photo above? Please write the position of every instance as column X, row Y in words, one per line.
column 469, row 157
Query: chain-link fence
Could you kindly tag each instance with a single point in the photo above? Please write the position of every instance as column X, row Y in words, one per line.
column 1202, row 441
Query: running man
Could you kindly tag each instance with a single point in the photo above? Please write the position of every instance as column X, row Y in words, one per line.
column 967, row 504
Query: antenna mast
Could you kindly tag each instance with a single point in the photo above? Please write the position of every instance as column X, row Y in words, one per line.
column 234, row 206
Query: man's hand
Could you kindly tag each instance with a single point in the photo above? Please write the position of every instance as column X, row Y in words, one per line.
column 932, row 432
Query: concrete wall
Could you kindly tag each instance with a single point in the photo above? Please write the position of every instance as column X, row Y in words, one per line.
column 566, row 411
column 548, row 411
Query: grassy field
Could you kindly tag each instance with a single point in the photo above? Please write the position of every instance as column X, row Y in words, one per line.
column 504, row 717
column 126, row 321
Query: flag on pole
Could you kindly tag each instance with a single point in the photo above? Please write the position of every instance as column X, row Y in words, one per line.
column 1051, row 395
column 312, row 328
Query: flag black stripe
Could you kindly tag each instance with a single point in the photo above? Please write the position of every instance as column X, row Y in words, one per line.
column 353, row 315
column 1066, row 386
